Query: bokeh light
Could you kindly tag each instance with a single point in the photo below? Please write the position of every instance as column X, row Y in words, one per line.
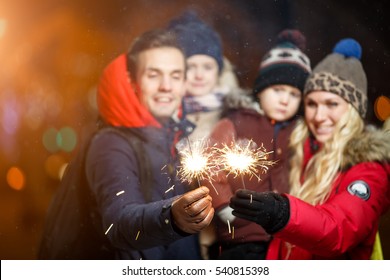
column 16, row 178
column 382, row 108
column 3, row 27
column 66, row 139
column 49, row 140
column 54, row 166
column 10, row 112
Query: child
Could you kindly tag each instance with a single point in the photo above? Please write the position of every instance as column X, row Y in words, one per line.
column 202, row 45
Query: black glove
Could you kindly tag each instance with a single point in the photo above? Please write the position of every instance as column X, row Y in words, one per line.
column 268, row 209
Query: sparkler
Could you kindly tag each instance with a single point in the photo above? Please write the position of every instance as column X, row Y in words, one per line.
column 244, row 158
column 196, row 162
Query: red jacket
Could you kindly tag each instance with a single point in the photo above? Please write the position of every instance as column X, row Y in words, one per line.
column 344, row 226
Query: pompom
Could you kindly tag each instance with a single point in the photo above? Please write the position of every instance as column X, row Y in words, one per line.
column 349, row 48
column 188, row 17
column 292, row 36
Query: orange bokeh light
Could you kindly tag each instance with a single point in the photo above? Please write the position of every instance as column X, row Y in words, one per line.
column 382, row 108
column 16, row 178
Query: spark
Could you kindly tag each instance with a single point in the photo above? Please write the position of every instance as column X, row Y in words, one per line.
column 108, row 229
column 170, row 189
column 228, row 223
column 119, row 193
column 136, row 238
column 244, row 158
column 196, row 162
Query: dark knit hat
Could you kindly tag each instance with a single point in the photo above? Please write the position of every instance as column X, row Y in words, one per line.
column 196, row 37
column 285, row 63
column 342, row 73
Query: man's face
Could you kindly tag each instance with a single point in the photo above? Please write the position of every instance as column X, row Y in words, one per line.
column 161, row 79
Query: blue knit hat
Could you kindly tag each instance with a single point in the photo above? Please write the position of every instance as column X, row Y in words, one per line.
column 196, row 37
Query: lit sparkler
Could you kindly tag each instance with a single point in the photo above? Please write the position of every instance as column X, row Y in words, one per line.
column 196, row 162
column 244, row 158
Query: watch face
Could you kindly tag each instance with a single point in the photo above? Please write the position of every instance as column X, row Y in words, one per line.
column 359, row 189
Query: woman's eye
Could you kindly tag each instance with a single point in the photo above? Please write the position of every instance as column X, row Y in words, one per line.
column 333, row 104
column 310, row 104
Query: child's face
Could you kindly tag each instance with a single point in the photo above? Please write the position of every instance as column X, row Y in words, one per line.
column 202, row 74
column 280, row 102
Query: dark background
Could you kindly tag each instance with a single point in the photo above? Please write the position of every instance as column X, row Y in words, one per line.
column 53, row 52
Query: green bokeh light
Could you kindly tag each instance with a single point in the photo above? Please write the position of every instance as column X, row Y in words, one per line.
column 49, row 140
column 66, row 139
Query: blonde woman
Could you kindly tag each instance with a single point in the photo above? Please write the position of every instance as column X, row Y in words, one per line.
column 339, row 175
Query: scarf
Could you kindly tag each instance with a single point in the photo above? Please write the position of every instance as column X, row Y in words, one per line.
column 203, row 103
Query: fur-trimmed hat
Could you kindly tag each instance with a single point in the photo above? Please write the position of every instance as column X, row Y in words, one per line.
column 285, row 63
column 196, row 37
column 342, row 73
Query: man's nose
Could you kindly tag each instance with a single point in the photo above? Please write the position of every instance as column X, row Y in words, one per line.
column 165, row 84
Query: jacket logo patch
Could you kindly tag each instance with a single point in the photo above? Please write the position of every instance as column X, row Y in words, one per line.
column 360, row 189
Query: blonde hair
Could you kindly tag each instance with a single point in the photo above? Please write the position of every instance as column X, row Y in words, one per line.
column 323, row 167
column 386, row 124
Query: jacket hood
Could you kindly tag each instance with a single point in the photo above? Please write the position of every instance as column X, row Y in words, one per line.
column 239, row 98
column 372, row 145
column 117, row 101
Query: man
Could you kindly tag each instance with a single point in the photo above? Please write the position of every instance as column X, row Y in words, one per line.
column 155, row 221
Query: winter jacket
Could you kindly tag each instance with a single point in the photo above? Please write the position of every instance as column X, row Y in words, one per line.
column 344, row 226
column 243, row 122
column 137, row 229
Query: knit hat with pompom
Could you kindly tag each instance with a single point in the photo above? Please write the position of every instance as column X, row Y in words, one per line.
column 284, row 64
column 342, row 73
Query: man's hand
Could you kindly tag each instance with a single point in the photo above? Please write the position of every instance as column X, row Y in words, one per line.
column 193, row 211
column 268, row 209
